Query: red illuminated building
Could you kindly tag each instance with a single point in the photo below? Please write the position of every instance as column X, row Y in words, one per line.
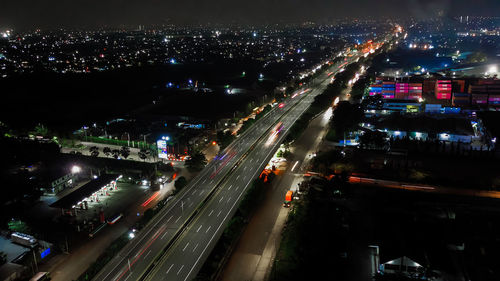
column 443, row 89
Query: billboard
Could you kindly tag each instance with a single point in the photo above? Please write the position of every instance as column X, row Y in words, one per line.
column 162, row 147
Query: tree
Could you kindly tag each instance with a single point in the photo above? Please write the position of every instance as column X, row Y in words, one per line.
column 373, row 139
column 107, row 151
column 148, row 214
column 224, row 138
column 476, row 57
column 180, row 183
column 143, row 154
column 125, row 151
column 324, row 160
column 152, row 151
column 41, row 130
column 375, row 102
column 346, row 118
column 359, row 88
column 94, row 151
column 19, row 226
column 197, row 161
column 115, row 153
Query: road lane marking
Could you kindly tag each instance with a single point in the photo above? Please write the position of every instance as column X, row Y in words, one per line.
column 230, row 187
column 149, row 243
column 194, row 191
column 177, row 219
column 190, row 204
column 220, row 225
column 237, row 177
column 210, row 213
column 170, row 218
column 244, row 168
column 201, row 192
column 185, row 246
column 199, row 228
column 147, row 254
column 195, row 247
column 221, row 199
column 228, row 199
column 180, row 269
column 208, row 228
column 164, row 235
column 169, row 268
column 219, row 213
column 309, row 98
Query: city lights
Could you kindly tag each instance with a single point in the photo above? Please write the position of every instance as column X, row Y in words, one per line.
column 76, row 169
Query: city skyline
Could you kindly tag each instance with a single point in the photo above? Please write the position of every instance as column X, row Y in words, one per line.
column 250, row 140
column 86, row 14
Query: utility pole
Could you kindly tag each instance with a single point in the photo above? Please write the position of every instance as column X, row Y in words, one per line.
column 66, row 241
column 34, row 260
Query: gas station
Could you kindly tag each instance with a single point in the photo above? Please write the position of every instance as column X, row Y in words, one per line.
column 91, row 192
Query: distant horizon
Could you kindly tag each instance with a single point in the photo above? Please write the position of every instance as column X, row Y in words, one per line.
column 208, row 25
column 53, row 14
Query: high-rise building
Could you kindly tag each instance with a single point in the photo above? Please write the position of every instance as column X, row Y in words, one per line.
column 408, row 91
column 443, row 89
column 415, row 91
column 401, row 91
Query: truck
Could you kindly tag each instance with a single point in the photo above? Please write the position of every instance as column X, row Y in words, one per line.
column 24, row 239
column 288, row 199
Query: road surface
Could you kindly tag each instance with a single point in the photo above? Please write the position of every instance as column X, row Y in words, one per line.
column 186, row 256
column 254, row 254
column 135, row 259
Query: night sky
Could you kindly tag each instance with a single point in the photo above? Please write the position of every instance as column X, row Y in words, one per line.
column 27, row 14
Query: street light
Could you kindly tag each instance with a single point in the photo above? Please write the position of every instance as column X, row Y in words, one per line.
column 493, row 69
column 76, row 169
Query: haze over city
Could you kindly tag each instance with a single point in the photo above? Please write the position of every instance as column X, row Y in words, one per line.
column 250, row 140
column 26, row 14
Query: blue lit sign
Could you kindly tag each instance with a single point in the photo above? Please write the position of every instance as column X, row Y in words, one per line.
column 45, row 253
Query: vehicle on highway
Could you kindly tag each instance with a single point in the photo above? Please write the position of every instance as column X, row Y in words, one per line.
column 288, row 199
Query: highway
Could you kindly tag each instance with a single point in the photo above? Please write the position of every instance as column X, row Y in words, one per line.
column 224, row 175
column 135, row 258
column 186, row 256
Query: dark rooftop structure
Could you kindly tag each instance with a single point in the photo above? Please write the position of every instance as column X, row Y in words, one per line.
column 84, row 191
column 426, row 123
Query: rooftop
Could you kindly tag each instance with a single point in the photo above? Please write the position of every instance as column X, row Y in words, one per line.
column 426, row 123
column 84, row 191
